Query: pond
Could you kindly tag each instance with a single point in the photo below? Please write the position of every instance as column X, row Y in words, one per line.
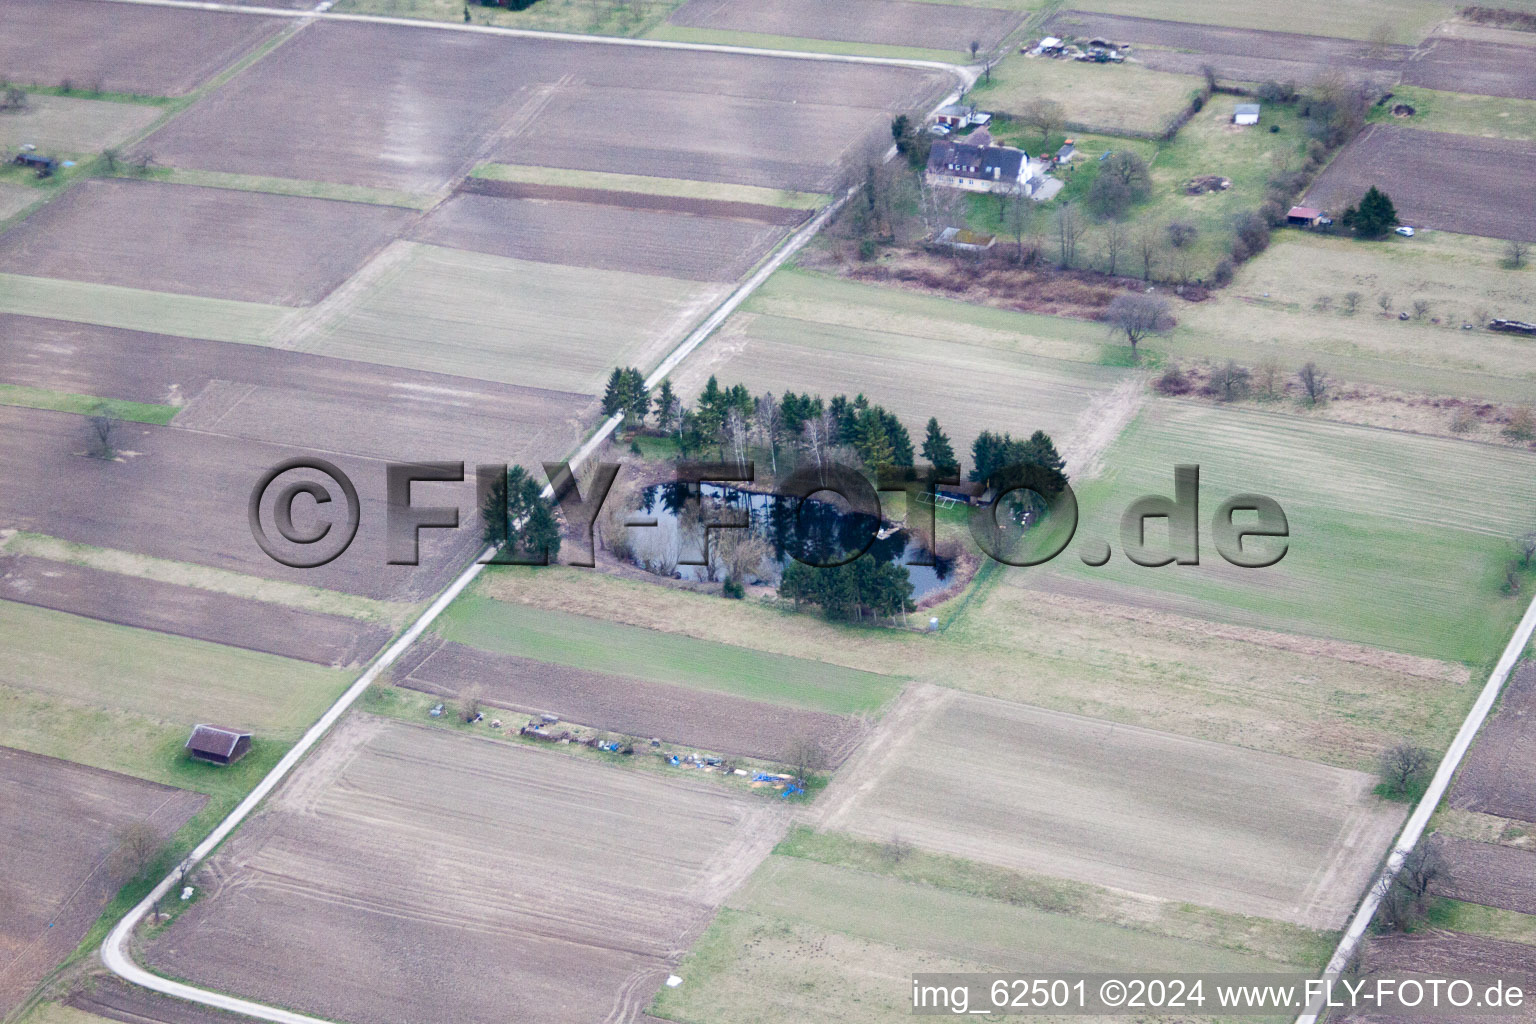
column 821, row 529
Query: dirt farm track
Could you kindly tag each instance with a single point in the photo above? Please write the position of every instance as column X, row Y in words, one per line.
column 1459, row 183
column 59, row 822
column 507, row 881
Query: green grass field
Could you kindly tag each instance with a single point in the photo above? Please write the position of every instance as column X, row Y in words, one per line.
column 1374, row 517
column 809, row 940
column 1461, row 113
column 61, row 401
column 1108, row 98
column 1272, row 309
column 602, row 646
column 539, row 324
column 973, row 367
column 160, row 676
column 59, row 125
column 1404, row 21
column 608, row 181
column 190, row 316
column 1476, row 919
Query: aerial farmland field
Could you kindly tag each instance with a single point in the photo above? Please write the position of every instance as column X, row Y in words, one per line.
column 1112, row 98
column 1188, row 45
column 894, row 22
column 1408, row 20
column 974, row 369
column 615, row 873
column 808, row 937
column 1415, row 168
column 539, row 325
column 124, row 48
column 60, row 821
column 1367, row 521
column 1291, row 302
column 604, row 236
column 715, row 721
column 70, row 125
column 1307, row 836
column 268, row 246
column 543, row 112
column 377, row 233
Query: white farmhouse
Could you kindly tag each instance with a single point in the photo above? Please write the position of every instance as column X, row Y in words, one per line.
column 978, row 168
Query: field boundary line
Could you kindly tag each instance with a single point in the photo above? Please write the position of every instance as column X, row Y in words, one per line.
column 966, row 74
column 115, row 947
column 1413, row 831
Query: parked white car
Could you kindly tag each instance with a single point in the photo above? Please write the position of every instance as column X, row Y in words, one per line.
column 1405, row 231
column 938, row 129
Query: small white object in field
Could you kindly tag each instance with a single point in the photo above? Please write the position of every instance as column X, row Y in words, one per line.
column 673, row 981
column 186, row 893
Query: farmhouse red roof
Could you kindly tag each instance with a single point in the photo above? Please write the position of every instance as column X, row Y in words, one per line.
column 214, row 739
column 1304, row 211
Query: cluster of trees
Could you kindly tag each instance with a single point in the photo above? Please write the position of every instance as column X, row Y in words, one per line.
column 847, row 592
column 1231, row 382
column 519, row 521
column 626, row 393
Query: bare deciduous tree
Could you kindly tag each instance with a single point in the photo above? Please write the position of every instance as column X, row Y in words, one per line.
column 1112, row 244
column 1230, row 381
column 1148, row 246
column 1420, row 308
column 1423, row 867
column 137, row 846
column 895, row 850
column 1138, row 315
column 1403, row 765
column 737, row 435
column 1515, row 253
column 1352, row 302
column 1069, row 230
column 470, row 701
column 1019, row 216
column 1314, row 384
column 104, row 429
column 1526, row 545
column 1384, row 300
column 1043, row 115
column 1267, row 378
column 804, row 759
column 770, row 427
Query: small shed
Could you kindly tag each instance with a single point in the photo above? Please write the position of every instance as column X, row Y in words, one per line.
column 218, row 745
column 965, row 240
column 1304, row 216
column 1245, row 113
column 955, row 115
column 1066, row 152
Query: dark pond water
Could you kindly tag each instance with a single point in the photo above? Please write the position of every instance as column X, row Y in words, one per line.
column 821, row 529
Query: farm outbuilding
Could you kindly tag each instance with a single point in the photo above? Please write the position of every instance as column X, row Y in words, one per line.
column 218, row 745
column 1304, row 216
column 1245, row 113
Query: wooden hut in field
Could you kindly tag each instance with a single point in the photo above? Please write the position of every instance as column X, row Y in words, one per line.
column 218, row 745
